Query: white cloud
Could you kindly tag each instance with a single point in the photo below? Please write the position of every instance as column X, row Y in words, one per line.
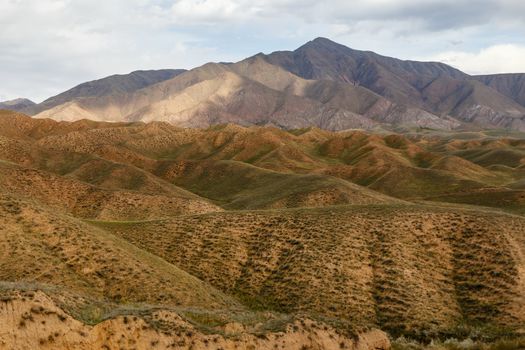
column 212, row 11
column 431, row 15
column 47, row 46
column 505, row 58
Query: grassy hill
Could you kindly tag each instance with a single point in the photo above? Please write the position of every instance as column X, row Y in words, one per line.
column 46, row 247
column 237, row 185
column 413, row 270
column 238, row 167
column 420, row 234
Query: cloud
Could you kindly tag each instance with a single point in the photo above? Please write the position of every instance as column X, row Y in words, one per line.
column 47, row 46
column 505, row 58
column 432, row 15
column 212, row 11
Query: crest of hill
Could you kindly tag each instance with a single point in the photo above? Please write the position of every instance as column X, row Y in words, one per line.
column 83, row 200
column 237, row 185
column 21, row 126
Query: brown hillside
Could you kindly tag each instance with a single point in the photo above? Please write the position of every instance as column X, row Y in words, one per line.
column 51, row 248
column 152, row 158
column 406, row 269
column 146, row 234
column 87, row 201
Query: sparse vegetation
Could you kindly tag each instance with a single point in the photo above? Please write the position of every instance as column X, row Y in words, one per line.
column 211, row 234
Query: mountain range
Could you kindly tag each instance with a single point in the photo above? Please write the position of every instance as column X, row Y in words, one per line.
column 322, row 84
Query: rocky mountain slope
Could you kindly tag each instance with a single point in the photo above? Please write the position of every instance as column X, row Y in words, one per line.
column 434, row 87
column 321, row 84
column 252, row 92
column 510, row 85
column 115, row 84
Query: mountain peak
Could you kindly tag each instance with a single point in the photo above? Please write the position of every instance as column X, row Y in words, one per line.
column 349, row 88
column 322, row 42
column 321, row 39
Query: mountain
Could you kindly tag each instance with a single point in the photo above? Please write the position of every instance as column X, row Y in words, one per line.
column 114, row 84
column 324, row 59
column 321, row 84
column 510, row 85
column 250, row 92
column 18, row 104
column 434, row 87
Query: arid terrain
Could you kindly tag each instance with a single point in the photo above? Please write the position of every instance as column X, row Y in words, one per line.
column 322, row 84
column 320, row 198
column 146, row 235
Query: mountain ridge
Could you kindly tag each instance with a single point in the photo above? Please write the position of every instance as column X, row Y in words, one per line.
column 322, row 84
column 116, row 83
column 18, row 104
column 402, row 81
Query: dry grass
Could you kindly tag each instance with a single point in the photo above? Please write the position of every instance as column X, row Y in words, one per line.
column 145, row 157
column 45, row 247
column 515, row 343
column 156, row 236
column 412, row 270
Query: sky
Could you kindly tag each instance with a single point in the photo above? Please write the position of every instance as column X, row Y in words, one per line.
column 49, row 46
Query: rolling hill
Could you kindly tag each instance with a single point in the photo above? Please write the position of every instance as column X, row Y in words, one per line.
column 149, row 235
column 254, row 168
column 413, row 270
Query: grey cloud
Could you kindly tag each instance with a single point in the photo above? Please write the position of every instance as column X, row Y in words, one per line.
column 47, row 46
